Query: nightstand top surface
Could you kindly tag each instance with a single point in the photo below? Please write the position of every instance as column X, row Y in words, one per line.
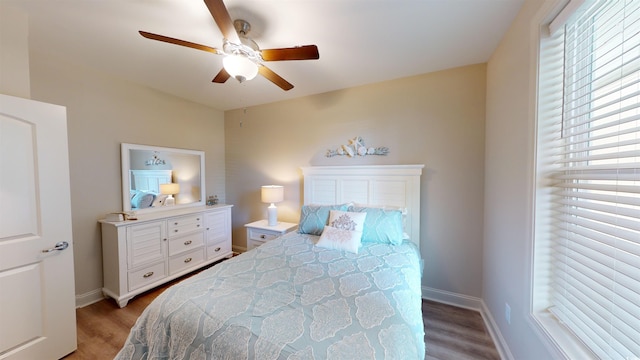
column 281, row 226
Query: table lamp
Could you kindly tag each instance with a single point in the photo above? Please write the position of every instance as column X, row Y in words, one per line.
column 169, row 189
column 272, row 194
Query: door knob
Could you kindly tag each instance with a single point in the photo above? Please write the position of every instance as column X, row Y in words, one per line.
column 59, row 246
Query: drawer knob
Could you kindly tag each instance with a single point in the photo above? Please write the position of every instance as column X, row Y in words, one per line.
column 187, row 260
column 176, row 230
column 263, row 236
column 188, row 242
column 175, row 223
column 218, row 249
column 198, row 225
column 149, row 274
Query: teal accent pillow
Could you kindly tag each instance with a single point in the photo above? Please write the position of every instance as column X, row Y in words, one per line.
column 313, row 218
column 381, row 225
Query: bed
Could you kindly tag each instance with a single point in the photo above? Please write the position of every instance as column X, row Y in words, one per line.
column 145, row 188
column 296, row 297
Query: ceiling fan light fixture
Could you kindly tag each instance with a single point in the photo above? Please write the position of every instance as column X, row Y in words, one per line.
column 240, row 67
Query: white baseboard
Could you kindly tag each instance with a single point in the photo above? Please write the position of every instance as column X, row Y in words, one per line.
column 446, row 297
column 473, row 303
column 496, row 335
column 89, row 298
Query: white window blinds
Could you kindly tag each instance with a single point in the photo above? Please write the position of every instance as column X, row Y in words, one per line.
column 588, row 190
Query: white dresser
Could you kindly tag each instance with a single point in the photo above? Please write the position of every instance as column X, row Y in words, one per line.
column 138, row 255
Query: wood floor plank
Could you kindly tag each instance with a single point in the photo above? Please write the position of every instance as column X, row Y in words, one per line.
column 456, row 333
column 451, row 333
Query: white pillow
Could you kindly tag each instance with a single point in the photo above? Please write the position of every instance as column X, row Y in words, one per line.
column 339, row 239
column 159, row 201
column 344, row 231
column 346, row 220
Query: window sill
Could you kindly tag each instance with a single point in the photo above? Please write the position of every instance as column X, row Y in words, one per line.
column 560, row 338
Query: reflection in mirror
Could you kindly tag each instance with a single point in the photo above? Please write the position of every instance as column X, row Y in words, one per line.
column 145, row 168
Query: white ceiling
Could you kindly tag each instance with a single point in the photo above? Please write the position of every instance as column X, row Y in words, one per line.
column 360, row 41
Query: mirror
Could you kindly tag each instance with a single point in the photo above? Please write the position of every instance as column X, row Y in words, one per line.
column 145, row 170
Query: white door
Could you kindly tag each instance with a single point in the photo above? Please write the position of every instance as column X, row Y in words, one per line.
column 37, row 301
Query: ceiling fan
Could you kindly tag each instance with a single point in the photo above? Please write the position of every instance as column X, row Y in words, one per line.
column 243, row 59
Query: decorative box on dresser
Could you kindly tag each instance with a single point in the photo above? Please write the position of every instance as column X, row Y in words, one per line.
column 138, row 255
column 259, row 232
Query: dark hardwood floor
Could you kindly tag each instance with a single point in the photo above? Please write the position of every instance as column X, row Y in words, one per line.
column 452, row 333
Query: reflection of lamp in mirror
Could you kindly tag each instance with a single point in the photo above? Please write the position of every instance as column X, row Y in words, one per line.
column 272, row 194
column 169, row 189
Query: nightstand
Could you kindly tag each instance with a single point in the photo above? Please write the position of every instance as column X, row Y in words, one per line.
column 258, row 232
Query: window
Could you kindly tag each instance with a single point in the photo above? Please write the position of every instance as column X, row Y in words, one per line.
column 587, row 232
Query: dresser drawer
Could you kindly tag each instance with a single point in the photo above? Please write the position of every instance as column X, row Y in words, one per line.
column 184, row 224
column 186, row 260
column 146, row 275
column 186, row 242
column 218, row 249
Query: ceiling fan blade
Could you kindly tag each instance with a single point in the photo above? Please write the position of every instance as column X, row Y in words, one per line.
column 307, row 52
column 274, row 78
column 223, row 20
column 171, row 40
column 222, row 77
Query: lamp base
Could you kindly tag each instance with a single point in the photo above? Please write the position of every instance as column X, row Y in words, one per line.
column 272, row 213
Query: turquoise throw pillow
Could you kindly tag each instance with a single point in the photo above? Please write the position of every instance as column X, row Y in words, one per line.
column 381, row 225
column 313, row 218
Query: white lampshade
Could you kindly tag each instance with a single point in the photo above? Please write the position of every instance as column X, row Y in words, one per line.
column 169, row 189
column 240, row 67
column 272, row 194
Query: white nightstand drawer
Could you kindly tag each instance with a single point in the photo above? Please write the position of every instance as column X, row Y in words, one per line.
column 252, row 244
column 262, row 235
column 186, row 260
column 259, row 232
column 147, row 275
column 184, row 224
column 184, row 243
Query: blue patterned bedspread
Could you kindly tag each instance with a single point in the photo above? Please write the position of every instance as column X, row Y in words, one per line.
column 289, row 299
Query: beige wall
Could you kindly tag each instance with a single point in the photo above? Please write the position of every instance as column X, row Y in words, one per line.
column 102, row 112
column 435, row 119
column 509, row 170
column 14, row 52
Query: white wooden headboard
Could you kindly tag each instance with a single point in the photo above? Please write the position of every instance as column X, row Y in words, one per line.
column 149, row 180
column 376, row 185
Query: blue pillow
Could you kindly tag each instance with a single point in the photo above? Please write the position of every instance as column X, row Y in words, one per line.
column 313, row 218
column 142, row 200
column 381, row 225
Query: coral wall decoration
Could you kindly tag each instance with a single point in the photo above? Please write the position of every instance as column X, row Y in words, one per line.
column 356, row 147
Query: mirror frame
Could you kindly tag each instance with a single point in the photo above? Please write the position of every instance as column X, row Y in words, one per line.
column 126, row 179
